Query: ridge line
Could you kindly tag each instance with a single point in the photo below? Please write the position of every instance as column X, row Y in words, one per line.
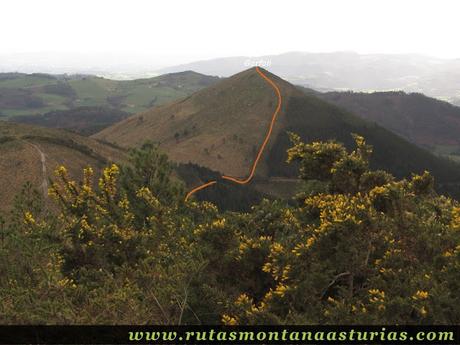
column 261, row 149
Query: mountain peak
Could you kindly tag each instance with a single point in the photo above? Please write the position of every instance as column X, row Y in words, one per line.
column 223, row 125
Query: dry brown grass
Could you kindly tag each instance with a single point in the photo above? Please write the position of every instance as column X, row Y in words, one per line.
column 20, row 160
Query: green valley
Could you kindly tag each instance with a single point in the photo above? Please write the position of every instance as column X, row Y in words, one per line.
column 33, row 94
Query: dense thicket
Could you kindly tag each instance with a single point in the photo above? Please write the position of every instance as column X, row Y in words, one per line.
column 358, row 246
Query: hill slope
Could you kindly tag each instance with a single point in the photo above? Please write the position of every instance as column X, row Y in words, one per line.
column 425, row 121
column 83, row 120
column 221, row 127
column 30, row 153
column 31, row 94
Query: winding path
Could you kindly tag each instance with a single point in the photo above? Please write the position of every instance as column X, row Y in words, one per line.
column 44, row 184
column 261, row 149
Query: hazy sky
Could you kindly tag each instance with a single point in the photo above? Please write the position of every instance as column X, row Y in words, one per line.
column 187, row 30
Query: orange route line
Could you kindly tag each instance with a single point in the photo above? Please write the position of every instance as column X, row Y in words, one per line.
column 262, row 147
column 203, row 186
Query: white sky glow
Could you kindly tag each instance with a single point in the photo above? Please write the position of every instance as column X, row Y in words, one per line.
column 180, row 31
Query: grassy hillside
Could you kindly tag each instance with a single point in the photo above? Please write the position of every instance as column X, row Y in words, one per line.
column 222, row 127
column 425, row 121
column 31, row 94
column 31, row 154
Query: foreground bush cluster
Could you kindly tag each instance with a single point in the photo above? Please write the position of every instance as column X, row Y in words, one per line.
column 356, row 246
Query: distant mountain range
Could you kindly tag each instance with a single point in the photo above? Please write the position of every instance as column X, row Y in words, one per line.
column 341, row 71
column 222, row 126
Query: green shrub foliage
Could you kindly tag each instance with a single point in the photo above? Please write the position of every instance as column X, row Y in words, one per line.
column 357, row 247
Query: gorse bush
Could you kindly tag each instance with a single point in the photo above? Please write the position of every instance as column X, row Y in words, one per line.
column 357, row 246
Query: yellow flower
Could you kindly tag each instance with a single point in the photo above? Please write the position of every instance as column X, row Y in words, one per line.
column 108, row 180
column 376, row 292
column 88, row 170
column 220, row 223
column 124, row 203
column 242, row 247
column 455, row 218
column 423, row 311
column 146, row 194
column 29, row 218
column 286, row 271
column 64, row 282
column 229, row 320
column 310, row 242
column 61, row 171
column 297, row 251
column 419, row 295
column 267, row 267
column 84, row 223
column 277, row 248
column 376, row 296
column 281, row 290
column 243, row 299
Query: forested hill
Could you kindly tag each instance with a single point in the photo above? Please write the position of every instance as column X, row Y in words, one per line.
column 425, row 121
